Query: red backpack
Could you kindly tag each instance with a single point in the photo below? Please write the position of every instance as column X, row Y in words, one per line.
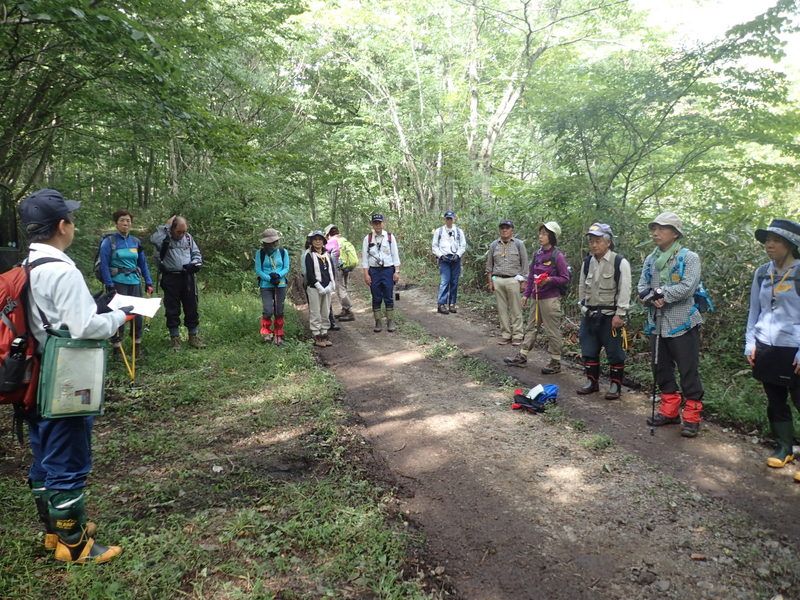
column 19, row 363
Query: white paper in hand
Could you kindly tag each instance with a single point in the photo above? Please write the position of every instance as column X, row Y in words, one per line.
column 147, row 307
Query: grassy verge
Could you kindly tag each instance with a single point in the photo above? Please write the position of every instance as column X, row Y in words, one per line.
column 228, row 472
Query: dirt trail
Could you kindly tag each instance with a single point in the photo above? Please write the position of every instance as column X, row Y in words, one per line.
column 519, row 507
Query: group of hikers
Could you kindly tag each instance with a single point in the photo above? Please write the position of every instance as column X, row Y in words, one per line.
column 59, row 299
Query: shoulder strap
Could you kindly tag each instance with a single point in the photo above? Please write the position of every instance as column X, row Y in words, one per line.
column 162, row 252
column 369, row 238
column 439, row 235
column 617, row 263
column 586, row 262
column 519, row 245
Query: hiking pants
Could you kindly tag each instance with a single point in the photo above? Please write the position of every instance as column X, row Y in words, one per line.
column 129, row 289
column 682, row 351
column 180, row 289
column 62, row 451
column 319, row 305
column 342, row 279
column 550, row 318
column 382, row 287
column 449, row 272
column 595, row 334
column 778, row 409
column 509, row 307
column 272, row 301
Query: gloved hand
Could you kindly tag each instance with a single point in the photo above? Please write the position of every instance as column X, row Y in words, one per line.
column 110, row 289
column 128, row 310
column 330, row 287
column 149, row 290
column 319, row 287
column 191, row 267
column 274, row 278
column 102, row 300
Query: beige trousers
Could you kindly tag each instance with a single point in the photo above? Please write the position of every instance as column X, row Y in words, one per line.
column 319, row 305
column 508, row 297
column 550, row 318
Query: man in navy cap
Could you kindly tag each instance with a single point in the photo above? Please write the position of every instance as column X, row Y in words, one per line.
column 507, row 270
column 380, row 258
column 62, row 453
column 449, row 245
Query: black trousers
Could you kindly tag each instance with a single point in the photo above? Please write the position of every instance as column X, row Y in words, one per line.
column 682, row 352
column 180, row 289
column 778, row 409
column 129, row 289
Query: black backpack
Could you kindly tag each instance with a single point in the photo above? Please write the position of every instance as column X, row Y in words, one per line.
column 97, row 272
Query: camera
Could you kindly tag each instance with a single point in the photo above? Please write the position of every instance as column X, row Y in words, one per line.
column 650, row 295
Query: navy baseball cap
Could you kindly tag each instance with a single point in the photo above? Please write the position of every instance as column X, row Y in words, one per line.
column 376, row 217
column 506, row 223
column 449, row 214
column 46, row 206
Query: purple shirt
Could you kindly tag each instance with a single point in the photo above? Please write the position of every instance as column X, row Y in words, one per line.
column 558, row 272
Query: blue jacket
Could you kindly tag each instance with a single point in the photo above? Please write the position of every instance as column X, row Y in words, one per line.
column 276, row 261
column 127, row 258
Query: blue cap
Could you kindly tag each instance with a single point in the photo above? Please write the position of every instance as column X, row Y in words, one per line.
column 376, row 217
column 449, row 214
column 506, row 223
column 600, row 229
column 46, row 206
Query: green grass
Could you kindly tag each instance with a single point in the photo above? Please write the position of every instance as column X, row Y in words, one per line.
column 597, row 443
column 227, row 473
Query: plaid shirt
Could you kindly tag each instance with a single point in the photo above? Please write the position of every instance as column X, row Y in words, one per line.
column 509, row 259
column 678, row 315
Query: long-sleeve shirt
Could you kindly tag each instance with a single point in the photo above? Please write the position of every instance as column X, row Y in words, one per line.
column 678, row 314
column 556, row 269
column 597, row 287
column 127, row 259
column 326, row 273
column 59, row 290
column 507, row 259
column 380, row 252
column 179, row 252
column 276, row 261
column 448, row 240
column 774, row 316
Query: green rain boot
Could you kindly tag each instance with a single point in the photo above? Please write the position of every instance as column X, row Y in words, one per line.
column 783, row 432
column 378, row 321
column 67, row 518
column 40, row 498
column 390, row 326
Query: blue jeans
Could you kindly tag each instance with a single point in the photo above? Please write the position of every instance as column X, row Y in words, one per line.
column 382, row 287
column 62, row 451
column 449, row 272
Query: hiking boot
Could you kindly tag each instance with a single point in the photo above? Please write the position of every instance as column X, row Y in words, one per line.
column 690, row 430
column 319, row 342
column 590, row 387
column 390, row 326
column 518, row 360
column 335, row 326
column 346, row 315
column 783, row 432
column 67, row 518
column 278, row 339
column 195, row 341
column 554, row 366
column 614, row 391
column 378, row 321
column 662, row 419
column 442, row 310
column 452, row 308
column 504, row 341
column 326, row 340
column 175, row 343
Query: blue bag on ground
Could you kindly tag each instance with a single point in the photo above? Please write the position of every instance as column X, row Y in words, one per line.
column 536, row 399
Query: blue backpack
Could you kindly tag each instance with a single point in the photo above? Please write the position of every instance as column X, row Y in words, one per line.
column 537, row 403
column 702, row 299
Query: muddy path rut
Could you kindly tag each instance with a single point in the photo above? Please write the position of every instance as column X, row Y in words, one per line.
column 586, row 504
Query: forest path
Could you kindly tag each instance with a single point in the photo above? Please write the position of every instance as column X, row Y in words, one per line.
column 516, row 506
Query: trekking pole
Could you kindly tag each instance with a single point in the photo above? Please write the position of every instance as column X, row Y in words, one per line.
column 655, row 366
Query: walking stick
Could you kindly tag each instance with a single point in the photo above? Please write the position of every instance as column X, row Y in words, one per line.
column 655, row 366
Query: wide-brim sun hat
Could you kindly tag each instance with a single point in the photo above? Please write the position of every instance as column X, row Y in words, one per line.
column 551, row 226
column 270, row 235
column 668, row 219
column 327, row 229
column 788, row 230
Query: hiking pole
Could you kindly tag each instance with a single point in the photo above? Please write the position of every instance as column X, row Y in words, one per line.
column 655, row 366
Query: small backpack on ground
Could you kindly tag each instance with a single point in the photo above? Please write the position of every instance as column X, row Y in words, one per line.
column 347, row 255
column 109, row 234
column 536, row 399
column 19, row 364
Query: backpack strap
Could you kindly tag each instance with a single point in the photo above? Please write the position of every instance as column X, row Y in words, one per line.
column 617, row 263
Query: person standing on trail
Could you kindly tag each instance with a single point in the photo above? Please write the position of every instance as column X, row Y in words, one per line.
column 123, row 267
column 62, row 447
column 336, row 246
column 320, row 284
column 506, row 266
column 449, row 245
column 772, row 337
column 179, row 259
column 670, row 277
column 548, row 278
column 272, row 267
column 380, row 258
column 604, row 296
